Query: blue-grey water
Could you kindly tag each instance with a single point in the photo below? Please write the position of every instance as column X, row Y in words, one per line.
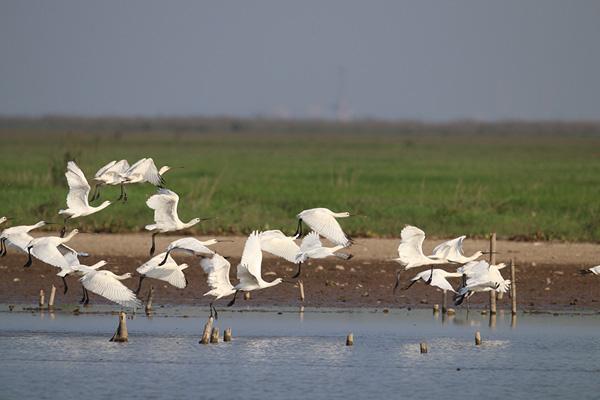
column 291, row 355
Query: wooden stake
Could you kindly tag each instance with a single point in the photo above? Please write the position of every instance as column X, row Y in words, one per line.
column 227, row 335
column 451, row 311
column 436, row 308
column 477, row 338
column 444, row 302
column 42, row 302
column 51, row 300
column 121, row 334
column 350, row 339
column 246, row 295
column 513, row 288
column 492, row 262
column 149, row 300
column 301, row 287
column 207, row 331
column 214, row 336
column 423, row 347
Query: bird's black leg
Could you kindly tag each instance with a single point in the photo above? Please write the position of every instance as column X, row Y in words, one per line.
column 83, row 297
column 2, row 247
column 139, row 285
column 428, row 281
column 153, row 244
column 29, row 259
column 64, row 228
column 165, row 259
column 122, row 193
column 397, row 281
column 216, row 314
column 412, row 283
column 124, row 196
column 297, row 274
column 65, row 285
column 87, row 297
column 210, row 307
column 299, row 228
column 232, row 302
column 95, row 193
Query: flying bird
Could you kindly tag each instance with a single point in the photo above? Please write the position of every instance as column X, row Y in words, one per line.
column 169, row 271
column 480, row 276
column 110, row 174
column 311, row 247
column 142, row 171
column 166, row 219
column 323, row 221
column 452, row 251
column 435, row 277
column 77, row 199
column 108, row 285
column 18, row 237
column 79, row 270
column 190, row 246
column 217, row 268
column 280, row 245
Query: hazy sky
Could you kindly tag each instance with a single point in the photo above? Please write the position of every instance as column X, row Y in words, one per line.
column 432, row 60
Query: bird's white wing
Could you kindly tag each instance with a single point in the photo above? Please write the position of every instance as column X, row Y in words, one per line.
column 120, row 167
column 105, row 285
column 172, row 275
column 104, row 169
column 252, row 255
column 411, row 244
column 474, row 268
column 327, row 226
column 276, row 243
column 217, row 269
column 310, row 242
column 164, row 204
column 190, row 245
column 154, row 261
column 449, row 250
column 147, row 170
column 79, row 189
column 440, row 281
column 49, row 254
column 69, row 254
column 134, row 167
column 20, row 240
column 245, row 278
column 595, row 270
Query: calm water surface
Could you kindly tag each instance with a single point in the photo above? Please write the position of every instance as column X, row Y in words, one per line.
column 290, row 355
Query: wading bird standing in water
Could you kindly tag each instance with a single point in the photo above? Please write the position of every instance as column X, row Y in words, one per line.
column 110, row 174
column 217, row 268
column 249, row 269
column 323, row 221
column 77, row 199
column 166, row 219
column 142, row 171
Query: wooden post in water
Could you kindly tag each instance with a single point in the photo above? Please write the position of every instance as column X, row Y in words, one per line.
column 207, row 331
column 214, row 336
column 51, row 299
column 121, row 334
column 436, row 308
column 227, row 335
column 42, row 301
column 513, row 288
column 149, row 300
column 492, row 262
column 350, row 339
column 444, row 302
column 246, row 295
column 423, row 347
column 301, row 287
column 477, row 338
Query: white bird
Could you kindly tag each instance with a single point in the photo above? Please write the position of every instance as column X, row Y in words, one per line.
column 594, row 270
column 410, row 250
column 452, row 251
column 311, row 247
column 249, row 269
column 143, row 170
column 79, row 270
column 18, row 237
column 435, row 277
column 77, row 199
column 169, row 271
column 191, row 246
column 480, row 277
column 107, row 284
column 166, row 219
column 217, row 268
column 110, row 174
column 323, row 221
column 280, row 245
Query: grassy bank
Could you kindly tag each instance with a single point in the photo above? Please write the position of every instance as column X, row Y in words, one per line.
column 534, row 181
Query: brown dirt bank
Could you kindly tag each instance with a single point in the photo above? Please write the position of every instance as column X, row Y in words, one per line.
column 355, row 283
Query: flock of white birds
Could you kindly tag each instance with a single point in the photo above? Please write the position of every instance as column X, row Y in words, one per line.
column 475, row 276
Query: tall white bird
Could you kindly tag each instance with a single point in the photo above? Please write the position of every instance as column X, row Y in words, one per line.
column 110, row 174
column 249, row 269
column 280, row 245
column 217, row 268
column 191, row 246
column 143, row 170
column 594, row 270
column 80, row 270
column 166, row 219
column 106, row 284
column 452, row 251
column 311, row 247
column 77, row 199
column 18, row 237
column 480, row 277
column 435, row 277
column 169, row 272
column 323, row 221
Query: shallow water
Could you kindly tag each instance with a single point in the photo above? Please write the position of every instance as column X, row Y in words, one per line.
column 292, row 355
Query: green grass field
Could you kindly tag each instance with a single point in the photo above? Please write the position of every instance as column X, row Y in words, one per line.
column 529, row 181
